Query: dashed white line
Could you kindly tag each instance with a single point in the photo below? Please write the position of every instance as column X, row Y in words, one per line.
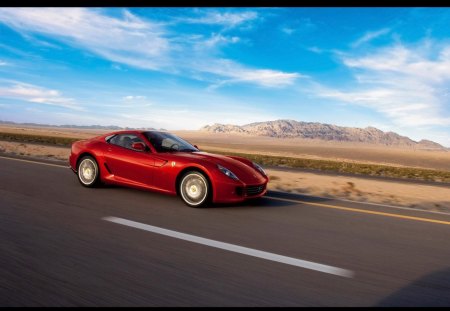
column 235, row 248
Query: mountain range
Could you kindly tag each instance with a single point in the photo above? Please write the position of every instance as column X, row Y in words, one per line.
column 290, row 129
column 321, row 131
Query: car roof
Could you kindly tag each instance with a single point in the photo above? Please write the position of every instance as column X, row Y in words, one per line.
column 132, row 132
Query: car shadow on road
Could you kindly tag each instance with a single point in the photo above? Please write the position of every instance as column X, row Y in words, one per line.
column 270, row 199
column 432, row 290
column 262, row 202
column 296, row 196
column 273, row 199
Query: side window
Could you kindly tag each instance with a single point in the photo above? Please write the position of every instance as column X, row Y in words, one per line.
column 108, row 138
column 169, row 143
column 113, row 139
column 125, row 140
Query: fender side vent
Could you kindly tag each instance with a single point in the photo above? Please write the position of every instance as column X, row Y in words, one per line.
column 107, row 168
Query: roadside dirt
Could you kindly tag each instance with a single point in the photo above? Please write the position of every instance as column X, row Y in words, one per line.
column 353, row 188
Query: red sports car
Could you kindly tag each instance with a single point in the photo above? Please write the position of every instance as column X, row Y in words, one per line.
column 163, row 162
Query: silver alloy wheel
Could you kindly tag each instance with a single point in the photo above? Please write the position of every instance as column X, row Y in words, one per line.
column 194, row 188
column 87, row 171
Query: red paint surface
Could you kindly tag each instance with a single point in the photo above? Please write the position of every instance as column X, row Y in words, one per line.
column 152, row 170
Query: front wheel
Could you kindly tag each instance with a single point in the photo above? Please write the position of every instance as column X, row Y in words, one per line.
column 88, row 173
column 194, row 189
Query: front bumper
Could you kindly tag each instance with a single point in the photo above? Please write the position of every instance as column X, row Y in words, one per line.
column 238, row 192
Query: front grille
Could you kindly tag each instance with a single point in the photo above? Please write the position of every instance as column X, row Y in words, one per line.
column 254, row 190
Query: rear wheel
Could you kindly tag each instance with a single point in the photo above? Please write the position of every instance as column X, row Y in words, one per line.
column 194, row 189
column 88, row 173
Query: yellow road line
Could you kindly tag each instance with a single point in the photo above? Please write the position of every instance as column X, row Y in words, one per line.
column 442, row 222
column 35, row 162
column 299, row 201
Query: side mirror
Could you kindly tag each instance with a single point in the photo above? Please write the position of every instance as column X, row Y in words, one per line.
column 138, row 146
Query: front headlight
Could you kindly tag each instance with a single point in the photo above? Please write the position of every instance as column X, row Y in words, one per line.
column 227, row 172
column 259, row 168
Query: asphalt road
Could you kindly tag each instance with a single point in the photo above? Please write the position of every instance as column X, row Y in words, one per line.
column 57, row 248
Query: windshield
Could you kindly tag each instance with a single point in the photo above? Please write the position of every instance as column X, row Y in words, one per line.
column 165, row 142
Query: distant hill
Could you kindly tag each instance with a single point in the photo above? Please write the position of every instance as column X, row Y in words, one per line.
column 85, row 127
column 327, row 132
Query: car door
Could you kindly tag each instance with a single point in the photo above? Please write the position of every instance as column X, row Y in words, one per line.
column 127, row 164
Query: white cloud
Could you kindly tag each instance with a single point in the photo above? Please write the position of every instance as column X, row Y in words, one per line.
column 38, row 42
column 237, row 73
column 115, row 39
column 117, row 67
column 406, row 84
column 225, row 19
column 3, row 63
column 300, row 25
column 36, row 94
column 315, row 49
column 189, row 113
column 191, row 119
column 144, row 44
column 370, row 35
column 134, row 97
column 411, row 62
column 288, row 30
column 218, row 39
column 33, row 109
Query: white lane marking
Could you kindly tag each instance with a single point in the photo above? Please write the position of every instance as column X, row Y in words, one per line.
column 36, row 162
column 235, row 248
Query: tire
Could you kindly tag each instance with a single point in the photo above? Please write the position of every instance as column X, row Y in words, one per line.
column 195, row 189
column 88, row 172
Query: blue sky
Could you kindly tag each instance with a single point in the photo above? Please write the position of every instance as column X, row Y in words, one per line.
column 182, row 68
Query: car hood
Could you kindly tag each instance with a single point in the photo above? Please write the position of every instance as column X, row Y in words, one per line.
column 244, row 172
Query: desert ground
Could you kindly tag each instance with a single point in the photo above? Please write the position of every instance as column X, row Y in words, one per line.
column 291, row 147
column 315, row 149
column 418, row 196
column 51, row 131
